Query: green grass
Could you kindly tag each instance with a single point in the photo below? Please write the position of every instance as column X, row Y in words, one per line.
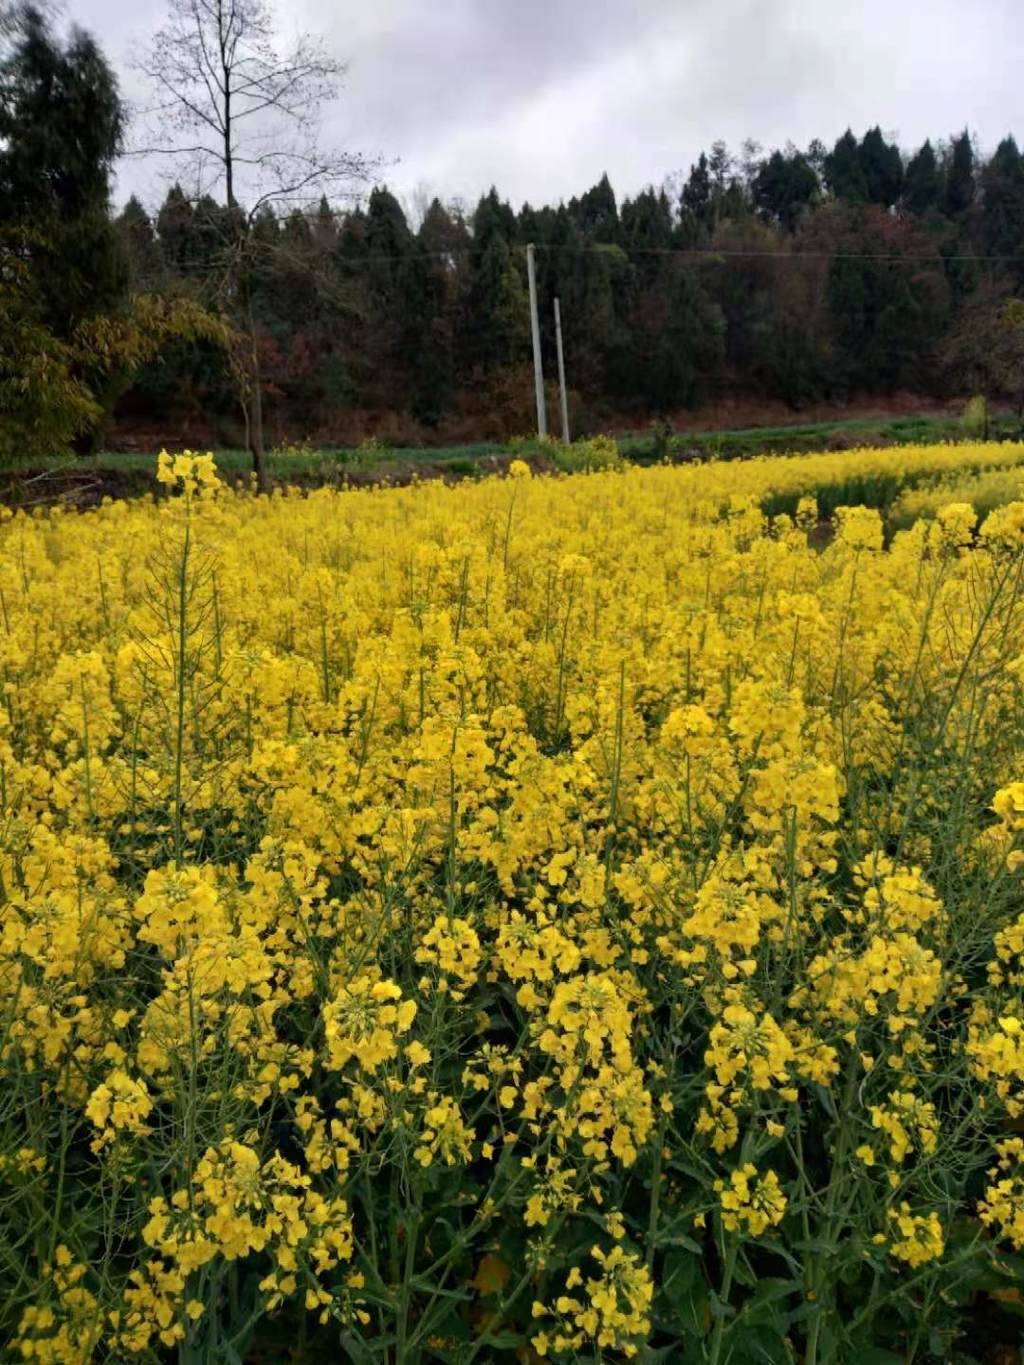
column 312, row 465
column 314, row 458
column 328, row 464
column 813, row 436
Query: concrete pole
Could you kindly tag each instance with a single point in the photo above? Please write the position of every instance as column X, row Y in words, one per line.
column 538, row 366
column 561, row 373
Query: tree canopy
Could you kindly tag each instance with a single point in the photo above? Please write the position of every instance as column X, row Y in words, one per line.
column 789, row 273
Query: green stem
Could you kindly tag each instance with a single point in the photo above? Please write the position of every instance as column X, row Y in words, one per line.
column 817, row 1275
column 655, row 1206
column 179, row 744
column 402, row 1355
column 730, row 1269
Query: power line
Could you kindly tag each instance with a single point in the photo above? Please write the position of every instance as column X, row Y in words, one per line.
column 714, row 253
column 269, row 250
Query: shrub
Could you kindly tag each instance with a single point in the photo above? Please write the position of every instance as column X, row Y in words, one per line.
column 596, row 452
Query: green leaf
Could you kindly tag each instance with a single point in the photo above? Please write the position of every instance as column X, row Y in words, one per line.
column 505, row 1341
column 765, row 1306
column 656, row 1355
column 357, row 1351
column 680, row 1241
column 758, row 1346
column 683, row 1296
column 771, row 1290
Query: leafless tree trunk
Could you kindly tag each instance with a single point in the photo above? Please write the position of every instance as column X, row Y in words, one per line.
column 254, row 405
column 241, row 118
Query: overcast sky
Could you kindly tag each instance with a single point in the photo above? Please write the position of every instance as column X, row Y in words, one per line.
column 541, row 96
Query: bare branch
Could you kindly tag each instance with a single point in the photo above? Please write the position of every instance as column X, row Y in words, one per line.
column 218, row 69
column 222, row 79
column 171, row 151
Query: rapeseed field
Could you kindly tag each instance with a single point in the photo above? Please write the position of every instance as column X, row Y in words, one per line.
column 549, row 918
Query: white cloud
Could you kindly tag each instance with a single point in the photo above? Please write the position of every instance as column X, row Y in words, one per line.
column 540, row 96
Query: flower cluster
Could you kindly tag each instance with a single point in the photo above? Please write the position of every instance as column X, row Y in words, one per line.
column 751, row 1203
column 610, row 1309
column 1003, row 1205
column 913, row 1238
column 188, row 473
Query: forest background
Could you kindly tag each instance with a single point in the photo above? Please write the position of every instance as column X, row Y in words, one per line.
column 763, row 281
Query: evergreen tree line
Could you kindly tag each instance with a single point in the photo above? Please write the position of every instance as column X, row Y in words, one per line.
column 795, row 275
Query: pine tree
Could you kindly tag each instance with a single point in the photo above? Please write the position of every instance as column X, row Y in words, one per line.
column 61, row 126
column 844, row 171
column 138, row 238
column 647, row 221
column 444, row 233
column 1002, row 183
column 697, row 205
column 960, row 187
column 427, row 339
column 784, row 188
column 174, row 231
column 325, row 227
column 388, row 243
column 387, row 230
column 499, row 323
column 720, row 168
column 922, row 184
column 882, row 168
column 596, row 213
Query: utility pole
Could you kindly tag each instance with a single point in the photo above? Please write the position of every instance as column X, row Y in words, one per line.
column 561, row 373
column 538, row 366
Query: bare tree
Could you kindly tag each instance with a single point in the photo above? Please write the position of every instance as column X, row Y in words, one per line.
column 241, row 117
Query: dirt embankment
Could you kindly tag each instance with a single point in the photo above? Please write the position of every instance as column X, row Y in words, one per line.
column 349, row 428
